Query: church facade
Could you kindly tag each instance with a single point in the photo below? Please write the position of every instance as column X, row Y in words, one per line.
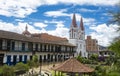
column 77, row 37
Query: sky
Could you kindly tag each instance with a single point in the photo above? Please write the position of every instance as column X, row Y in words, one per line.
column 54, row 17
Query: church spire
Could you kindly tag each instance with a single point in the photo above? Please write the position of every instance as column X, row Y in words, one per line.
column 26, row 32
column 74, row 21
column 81, row 24
column 26, row 28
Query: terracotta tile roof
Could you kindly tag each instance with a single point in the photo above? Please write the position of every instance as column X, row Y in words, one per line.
column 42, row 38
column 74, row 66
column 14, row 36
column 46, row 38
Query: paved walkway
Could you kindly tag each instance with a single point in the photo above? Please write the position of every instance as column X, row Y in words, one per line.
column 45, row 69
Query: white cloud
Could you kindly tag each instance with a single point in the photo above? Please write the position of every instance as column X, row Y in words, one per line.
column 7, row 26
column 40, row 25
column 85, row 10
column 17, row 28
column 19, row 20
column 104, row 34
column 87, row 21
column 82, row 2
column 60, row 29
column 53, row 21
column 18, row 8
column 57, row 13
column 22, row 8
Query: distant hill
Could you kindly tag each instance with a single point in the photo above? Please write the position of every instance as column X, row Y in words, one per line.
column 102, row 48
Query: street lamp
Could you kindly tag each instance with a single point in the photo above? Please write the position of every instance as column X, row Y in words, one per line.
column 40, row 65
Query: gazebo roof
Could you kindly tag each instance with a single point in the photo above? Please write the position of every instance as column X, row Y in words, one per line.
column 74, row 66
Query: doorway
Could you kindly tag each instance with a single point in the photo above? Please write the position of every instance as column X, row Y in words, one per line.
column 1, row 59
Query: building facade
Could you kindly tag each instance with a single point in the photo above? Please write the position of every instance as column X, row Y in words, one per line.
column 77, row 37
column 92, row 45
column 16, row 47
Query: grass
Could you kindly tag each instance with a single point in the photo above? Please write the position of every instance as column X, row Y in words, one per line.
column 0, row 69
column 63, row 74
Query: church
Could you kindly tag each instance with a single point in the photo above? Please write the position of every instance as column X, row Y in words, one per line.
column 77, row 37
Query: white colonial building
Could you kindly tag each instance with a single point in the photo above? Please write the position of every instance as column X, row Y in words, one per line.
column 77, row 37
column 16, row 47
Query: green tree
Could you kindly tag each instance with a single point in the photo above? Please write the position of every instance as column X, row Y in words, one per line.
column 21, row 67
column 35, row 58
column 31, row 64
column 115, row 45
column 7, row 70
column 94, row 57
column 34, row 62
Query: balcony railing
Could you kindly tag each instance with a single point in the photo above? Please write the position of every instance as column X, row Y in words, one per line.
column 53, row 51
column 20, row 49
column 5, row 48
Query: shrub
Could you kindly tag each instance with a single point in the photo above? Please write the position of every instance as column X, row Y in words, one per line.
column 7, row 71
column 31, row 63
column 21, row 67
column 94, row 57
column 114, row 74
column 83, row 60
column 35, row 58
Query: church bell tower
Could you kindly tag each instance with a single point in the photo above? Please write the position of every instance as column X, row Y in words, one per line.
column 77, row 37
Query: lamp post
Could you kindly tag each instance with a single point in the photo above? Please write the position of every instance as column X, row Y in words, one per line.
column 40, row 65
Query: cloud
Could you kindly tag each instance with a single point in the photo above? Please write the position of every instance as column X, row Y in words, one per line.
column 56, row 13
column 19, row 28
column 18, row 8
column 40, row 25
column 23, row 8
column 104, row 34
column 85, row 10
column 60, row 29
column 82, row 2
column 53, row 21
column 7, row 26
column 87, row 21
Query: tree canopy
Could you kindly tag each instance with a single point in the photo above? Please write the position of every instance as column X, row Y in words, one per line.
column 115, row 45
